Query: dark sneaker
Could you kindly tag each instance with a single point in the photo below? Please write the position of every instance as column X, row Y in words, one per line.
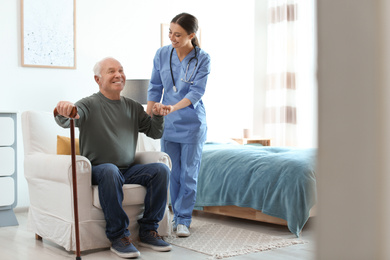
column 153, row 240
column 124, row 248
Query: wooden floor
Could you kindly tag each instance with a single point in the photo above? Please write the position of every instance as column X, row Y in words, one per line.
column 18, row 243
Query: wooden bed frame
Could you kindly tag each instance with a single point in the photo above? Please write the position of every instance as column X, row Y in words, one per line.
column 248, row 213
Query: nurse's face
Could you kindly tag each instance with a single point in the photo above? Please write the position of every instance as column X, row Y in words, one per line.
column 179, row 37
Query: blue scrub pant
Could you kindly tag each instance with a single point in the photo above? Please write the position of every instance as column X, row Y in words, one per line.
column 110, row 179
column 186, row 160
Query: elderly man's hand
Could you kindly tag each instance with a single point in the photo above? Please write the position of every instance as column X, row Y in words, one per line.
column 64, row 108
column 162, row 110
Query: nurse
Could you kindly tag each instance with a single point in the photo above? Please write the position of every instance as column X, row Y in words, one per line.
column 179, row 76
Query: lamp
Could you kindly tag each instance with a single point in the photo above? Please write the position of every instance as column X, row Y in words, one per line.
column 136, row 89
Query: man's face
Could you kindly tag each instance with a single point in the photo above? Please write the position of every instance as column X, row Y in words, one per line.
column 113, row 78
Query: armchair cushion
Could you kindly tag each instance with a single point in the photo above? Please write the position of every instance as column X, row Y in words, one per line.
column 133, row 194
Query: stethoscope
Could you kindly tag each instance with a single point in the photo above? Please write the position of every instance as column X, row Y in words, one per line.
column 185, row 75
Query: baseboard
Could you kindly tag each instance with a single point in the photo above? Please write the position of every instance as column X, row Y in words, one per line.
column 21, row 209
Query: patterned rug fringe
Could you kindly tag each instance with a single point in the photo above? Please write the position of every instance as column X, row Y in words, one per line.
column 251, row 249
column 221, row 241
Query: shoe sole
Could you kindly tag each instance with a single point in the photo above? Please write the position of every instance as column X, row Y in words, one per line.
column 126, row 255
column 156, row 248
column 183, row 234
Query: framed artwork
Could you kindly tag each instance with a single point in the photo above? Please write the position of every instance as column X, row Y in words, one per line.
column 48, row 33
column 165, row 35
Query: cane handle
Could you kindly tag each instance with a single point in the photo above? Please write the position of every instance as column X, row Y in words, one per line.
column 72, row 114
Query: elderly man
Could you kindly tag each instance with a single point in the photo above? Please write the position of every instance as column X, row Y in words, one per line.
column 109, row 126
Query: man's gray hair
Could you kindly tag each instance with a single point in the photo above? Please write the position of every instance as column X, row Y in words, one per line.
column 97, row 69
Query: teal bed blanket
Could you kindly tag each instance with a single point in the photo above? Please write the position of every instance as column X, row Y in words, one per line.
column 278, row 181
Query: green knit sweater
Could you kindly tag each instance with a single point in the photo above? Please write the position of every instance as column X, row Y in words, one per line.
column 109, row 128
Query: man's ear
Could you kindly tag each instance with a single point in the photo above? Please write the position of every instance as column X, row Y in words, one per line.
column 97, row 79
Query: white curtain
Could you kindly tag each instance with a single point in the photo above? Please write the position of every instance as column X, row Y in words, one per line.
column 290, row 70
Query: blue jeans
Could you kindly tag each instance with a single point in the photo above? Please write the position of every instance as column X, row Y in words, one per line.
column 110, row 179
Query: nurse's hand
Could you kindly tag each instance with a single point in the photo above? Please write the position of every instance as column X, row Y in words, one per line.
column 168, row 109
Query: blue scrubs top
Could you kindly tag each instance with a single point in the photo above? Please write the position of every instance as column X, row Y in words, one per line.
column 187, row 125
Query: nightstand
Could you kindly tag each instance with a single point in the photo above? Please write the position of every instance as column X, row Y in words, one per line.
column 8, row 170
column 262, row 141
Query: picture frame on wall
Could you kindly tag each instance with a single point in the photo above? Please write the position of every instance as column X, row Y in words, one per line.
column 165, row 35
column 48, row 30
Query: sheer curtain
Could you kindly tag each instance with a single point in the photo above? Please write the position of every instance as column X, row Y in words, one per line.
column 290, row 73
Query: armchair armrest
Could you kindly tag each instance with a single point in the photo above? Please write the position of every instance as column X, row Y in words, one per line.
column 49, row 178
column 56, row 168
column 153, row 157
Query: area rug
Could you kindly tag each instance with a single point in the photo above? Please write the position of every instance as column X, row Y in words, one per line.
column 221, row 241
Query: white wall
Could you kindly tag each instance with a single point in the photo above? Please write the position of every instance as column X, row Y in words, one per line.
column 306, row 93
column 354, row 125
column 129, row 30
column 260, row 67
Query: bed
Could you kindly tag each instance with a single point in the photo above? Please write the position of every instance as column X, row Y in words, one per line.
column 264, row 183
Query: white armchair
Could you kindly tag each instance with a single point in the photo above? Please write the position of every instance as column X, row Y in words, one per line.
column 49, row 178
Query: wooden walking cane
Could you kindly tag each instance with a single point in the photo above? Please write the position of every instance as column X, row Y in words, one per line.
column 72, row 115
